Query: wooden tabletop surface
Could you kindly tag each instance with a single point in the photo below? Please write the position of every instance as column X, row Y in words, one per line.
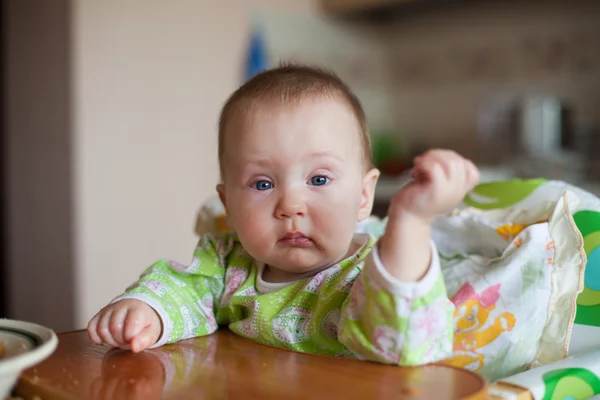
column 226, row 366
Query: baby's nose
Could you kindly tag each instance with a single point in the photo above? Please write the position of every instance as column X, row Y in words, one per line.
column 290, row 206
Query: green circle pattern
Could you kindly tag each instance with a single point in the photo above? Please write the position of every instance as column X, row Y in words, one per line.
column 570, row 383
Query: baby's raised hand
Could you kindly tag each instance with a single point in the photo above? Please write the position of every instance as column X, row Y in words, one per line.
column 127, row 323
column 441, row 178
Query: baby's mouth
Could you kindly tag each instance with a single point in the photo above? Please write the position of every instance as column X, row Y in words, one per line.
column 295, row 239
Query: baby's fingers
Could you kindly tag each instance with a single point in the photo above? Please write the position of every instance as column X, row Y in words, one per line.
column 116, row 325
column 472, row 174
column 104, row 329
column 146, row 338
column 429, row 169
column 138, row 318
column 92, row 330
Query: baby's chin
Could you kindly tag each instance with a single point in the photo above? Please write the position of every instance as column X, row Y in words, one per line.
column 305, row 260
column 300, row 266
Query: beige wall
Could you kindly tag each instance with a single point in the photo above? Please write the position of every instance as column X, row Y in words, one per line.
column 149, row 79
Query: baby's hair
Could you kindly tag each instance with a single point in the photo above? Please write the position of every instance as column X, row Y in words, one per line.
column 290, row 84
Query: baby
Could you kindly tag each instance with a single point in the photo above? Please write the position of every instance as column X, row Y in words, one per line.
column 296, row 177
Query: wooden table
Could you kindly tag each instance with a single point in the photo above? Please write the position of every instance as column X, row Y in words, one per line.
column 226, row 366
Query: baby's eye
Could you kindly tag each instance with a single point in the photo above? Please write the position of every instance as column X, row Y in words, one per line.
column 319, row 180
column 262, row 185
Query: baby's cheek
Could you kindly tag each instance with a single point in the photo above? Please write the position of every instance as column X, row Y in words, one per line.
column 253, row 244
column 254, row 230
column 339, row 208
column 336, row 226
column 244, row 212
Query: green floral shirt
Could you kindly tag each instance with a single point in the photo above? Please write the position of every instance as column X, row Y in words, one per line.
column 351, row 309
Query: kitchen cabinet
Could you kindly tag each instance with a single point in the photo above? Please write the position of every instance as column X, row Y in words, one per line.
column 356, row 6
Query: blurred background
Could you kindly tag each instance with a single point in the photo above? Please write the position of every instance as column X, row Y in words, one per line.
column 109, row 112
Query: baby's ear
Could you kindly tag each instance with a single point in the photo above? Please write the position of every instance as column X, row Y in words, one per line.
column 368, row 194
column 225, row 223
column 221, row 191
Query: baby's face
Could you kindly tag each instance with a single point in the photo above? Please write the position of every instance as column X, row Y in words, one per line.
column 294, row 184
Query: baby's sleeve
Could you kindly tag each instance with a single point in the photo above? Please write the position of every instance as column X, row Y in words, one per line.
column 185, row 297
column 404, row 323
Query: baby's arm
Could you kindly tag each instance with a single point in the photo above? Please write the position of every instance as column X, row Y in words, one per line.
column 441, row 179
column 398, row 311
column 403, row 323
column 170, row 302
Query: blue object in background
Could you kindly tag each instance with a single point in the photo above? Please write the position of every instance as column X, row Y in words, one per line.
column 256, row 57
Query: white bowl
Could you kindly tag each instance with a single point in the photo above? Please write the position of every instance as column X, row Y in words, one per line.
column 26, row 344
